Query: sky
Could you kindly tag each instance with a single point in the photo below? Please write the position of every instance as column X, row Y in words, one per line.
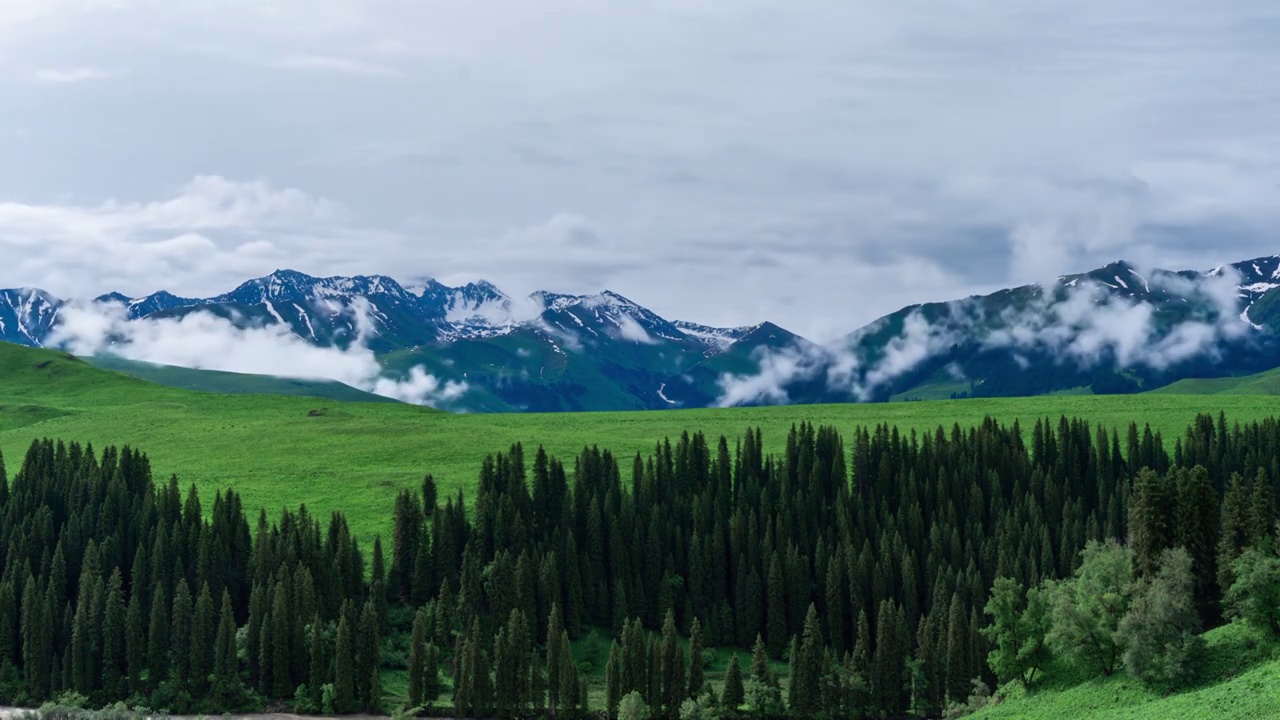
column 817, row 163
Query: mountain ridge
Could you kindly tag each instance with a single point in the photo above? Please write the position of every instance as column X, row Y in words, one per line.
column 603, row 351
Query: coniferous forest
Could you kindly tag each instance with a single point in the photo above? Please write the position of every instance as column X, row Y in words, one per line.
column 874, row 575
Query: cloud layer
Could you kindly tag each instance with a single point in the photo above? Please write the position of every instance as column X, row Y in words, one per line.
column 205, row 341
column 816, row 163
column 1084, row 323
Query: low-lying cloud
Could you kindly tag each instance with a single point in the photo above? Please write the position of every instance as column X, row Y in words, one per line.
column 1088, row 323
column 205, row 341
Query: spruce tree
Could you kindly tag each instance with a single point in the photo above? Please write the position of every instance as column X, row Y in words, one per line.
column 696, row 676
column 431, row 677
column 568, row 696
column 180, row 635
column 345, row 672
column 203, row 632
column 281, row 639
column 777, row 610
column 136, row 638
column 226, row 666
column 417, row 658
column 369, row 681
column 806, row 664
column 612, row 680
column 318, row 662
column 733, row 694
column 760, row 663
column 554, row 627
column 158, row 635
column 113, row 637
column 672, row 670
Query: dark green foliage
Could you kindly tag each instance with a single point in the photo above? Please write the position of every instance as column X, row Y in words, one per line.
column 613, row 680
column 114, row 670
column 1255, row 594
column 696, row 676
column 344, row 680
column 875, row 556
column 1019, row 624
column 417, row 659
column 1087, row 608
column 733, row 694
column 1160, row 633
column 369, row 658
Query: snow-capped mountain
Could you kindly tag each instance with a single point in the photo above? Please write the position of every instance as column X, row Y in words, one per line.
column 418, row 313
column 27, row 315
column 1113, row 329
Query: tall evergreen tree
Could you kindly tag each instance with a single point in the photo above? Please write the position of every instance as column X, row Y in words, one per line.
column 136, row 638
column 417, row 658
column 345, row 672
column 226, row 666
column 158, row 635
column 696, row 676
column 113, row 637
column 733, row 694
column 180, row 635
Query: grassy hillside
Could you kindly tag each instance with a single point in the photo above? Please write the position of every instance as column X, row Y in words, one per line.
column 279, row 450
column 1241, row 681
column 1265, row 383
column 233, row 383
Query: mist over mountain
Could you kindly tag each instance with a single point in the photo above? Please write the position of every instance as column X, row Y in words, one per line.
column 1115, row 329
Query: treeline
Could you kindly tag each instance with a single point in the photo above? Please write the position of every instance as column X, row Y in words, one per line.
column 890, row 573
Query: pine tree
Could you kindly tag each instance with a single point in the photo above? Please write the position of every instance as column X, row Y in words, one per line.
column 1233, row 537
column 344, row 675
column 281, row 635
column 417, row 658
column 568, row 696
column 613, row 680
column 431, row 676
column 318, row 663
column 113, row 636
column 554, row 627
column 733, row 694
column 203, row 632
column 135, row 638
column 862, row 648
column 696, row 676
column 1150, row 516
column 1262, row 510
column 806, row 668
column 760, row 663
column 672, row 670
column 158, row 636
column 887, row 664
column 180, row 635
column 958, row 685
column 226, row 667
column 777, row 610
column 369, row 681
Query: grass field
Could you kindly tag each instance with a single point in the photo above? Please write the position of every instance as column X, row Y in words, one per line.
column 1240, row 681
column 281, row 451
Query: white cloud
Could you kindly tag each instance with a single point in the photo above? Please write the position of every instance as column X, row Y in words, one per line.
column 205, row 341
column 629, row 329
column 716, row 161
column 338, row 64
column 68, row 75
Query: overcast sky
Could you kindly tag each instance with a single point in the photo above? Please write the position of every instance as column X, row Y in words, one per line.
column 813, row 162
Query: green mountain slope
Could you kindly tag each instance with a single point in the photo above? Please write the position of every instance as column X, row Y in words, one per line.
column 282, row 450
column 1241, row 681
column 1263, row 383
column 232, row 383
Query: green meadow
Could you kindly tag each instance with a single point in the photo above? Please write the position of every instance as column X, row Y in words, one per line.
column 279, row 450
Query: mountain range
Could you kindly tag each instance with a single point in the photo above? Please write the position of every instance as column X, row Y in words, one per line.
column 1114, row 329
